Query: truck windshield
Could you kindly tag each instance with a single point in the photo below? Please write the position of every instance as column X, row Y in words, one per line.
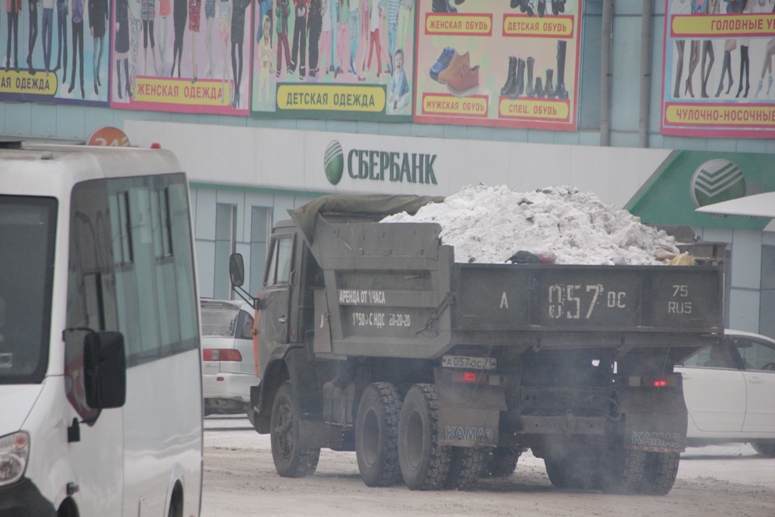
column 27, row 230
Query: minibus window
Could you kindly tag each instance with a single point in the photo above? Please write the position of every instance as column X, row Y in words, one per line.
column 27, row 228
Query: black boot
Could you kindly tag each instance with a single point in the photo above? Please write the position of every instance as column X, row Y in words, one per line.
column 539, row 88
column 524, row 6
column 511, row 76
column 128, row 80
column 549, row 89
column 519, row 84
column 561, row 92
column 440, row 6
column 541, row 8
column 558, row 6
column 530, row 92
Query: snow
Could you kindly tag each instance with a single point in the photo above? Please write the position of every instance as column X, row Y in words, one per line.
column 490, row 223
column 240, row 479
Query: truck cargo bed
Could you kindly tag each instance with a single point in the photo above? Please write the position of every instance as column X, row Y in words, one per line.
column 393, row 290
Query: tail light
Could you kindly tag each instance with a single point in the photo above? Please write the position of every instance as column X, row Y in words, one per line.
column 468, row 377
column 221, row 354
column 654, row 382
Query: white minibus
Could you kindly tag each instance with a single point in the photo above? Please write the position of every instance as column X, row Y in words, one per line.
column 100, row 371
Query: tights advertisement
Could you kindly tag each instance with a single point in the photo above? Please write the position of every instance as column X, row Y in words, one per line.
column 182, row 55
column 718, row 68
column 346, row 59
column 510, row 63
column 54, row 51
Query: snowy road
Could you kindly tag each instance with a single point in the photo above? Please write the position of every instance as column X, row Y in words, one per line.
column 239, row 479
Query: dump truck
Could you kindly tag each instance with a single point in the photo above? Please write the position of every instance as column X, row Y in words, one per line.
column 370, row 337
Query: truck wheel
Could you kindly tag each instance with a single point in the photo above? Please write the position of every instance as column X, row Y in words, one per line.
column 424, row 463
column 289, row 460
column 661, row 470
column 465, row 467
column 376, row 435
column 623, row 471
column 766, row 449
column 501, row 462
column 639, row 472
column 576, row 471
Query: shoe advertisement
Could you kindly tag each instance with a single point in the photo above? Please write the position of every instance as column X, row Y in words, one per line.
column 190, row 56
column 342, row 59
column 505, row 63
column 55, row 51
column 718, row 68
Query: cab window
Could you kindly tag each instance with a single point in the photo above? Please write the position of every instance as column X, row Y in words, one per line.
column 279, row 271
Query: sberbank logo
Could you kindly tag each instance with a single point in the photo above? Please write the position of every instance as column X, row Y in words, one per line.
column 715, row 181
column 367, row 164
column 334, row 162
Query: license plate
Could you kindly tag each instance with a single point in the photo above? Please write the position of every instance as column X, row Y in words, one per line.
column 475, row 363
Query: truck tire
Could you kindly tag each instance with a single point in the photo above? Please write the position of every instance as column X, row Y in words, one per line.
column 624, row 471
column 639, row 472
column 501, row 462
column 465, row 467
column 289, row 460
column 661, row 470
column 376, row 435
column 424, row 463
column 766, row 449
column 576, row 471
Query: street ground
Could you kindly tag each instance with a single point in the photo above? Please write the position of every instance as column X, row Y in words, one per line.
column 239, row 479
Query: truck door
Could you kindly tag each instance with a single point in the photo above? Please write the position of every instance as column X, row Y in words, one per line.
column 275, row 297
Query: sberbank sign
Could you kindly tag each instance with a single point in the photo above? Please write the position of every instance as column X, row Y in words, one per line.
column 367, row 164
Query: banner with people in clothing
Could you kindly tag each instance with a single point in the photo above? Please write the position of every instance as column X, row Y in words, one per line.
column 181, row 55
column 55, row 51
column 345, row 59
column 717, row 75
column 506, row 64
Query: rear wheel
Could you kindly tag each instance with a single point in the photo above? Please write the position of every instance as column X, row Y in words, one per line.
column 501, row 462
column 376, row 435
column 575, row 471
column 290, row 460
column 639, row 472
column 661, row 470
column 465, row 467
column 424, row 463
column 766, row 449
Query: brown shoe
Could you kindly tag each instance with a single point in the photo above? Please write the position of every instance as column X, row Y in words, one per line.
column 454, row 67
column 465, row 82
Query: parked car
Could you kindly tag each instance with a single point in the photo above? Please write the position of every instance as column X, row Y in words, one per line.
column 729, row 389
column 228, row 368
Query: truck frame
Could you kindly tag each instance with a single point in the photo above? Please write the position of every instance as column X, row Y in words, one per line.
column 370, row 337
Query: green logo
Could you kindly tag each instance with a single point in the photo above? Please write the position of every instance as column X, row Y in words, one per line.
column 334, row 162
column 715, row 181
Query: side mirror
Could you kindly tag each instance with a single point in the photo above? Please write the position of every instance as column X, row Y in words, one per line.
column 236, row 270
column 104, row 364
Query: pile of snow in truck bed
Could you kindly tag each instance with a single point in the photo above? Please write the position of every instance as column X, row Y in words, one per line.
column 489, row 224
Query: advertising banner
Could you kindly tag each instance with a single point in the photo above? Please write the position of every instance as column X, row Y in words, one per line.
column 509, row 64
column 718, row 68
column 343, row 59
column 55, row 51
column 189, row 56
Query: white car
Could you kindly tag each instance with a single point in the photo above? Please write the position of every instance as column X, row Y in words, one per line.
column 729, row 389
column 228, row 368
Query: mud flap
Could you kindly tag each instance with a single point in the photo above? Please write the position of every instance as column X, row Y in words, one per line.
column 655, row 419
column 468, row 427
column 469, row 414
